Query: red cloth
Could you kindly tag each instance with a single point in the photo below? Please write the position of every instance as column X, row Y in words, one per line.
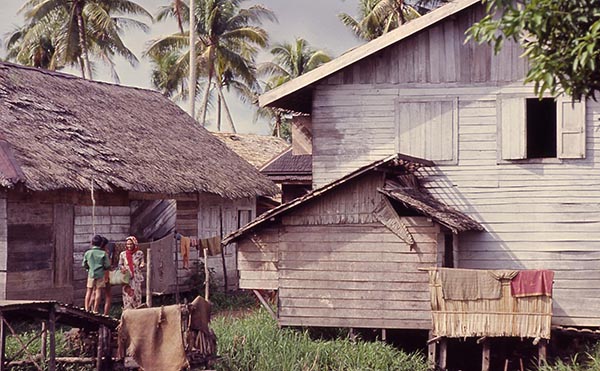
column 129, row 255
column 532, row 283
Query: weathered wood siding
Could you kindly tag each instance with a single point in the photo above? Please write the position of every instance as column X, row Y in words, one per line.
column 208, row 216
column 351, row 203
column 335, row 265
column 3, row 246
column 538, row 214
column 111, row 222
column 355, row 275
column 354, row 110
column 258, row 260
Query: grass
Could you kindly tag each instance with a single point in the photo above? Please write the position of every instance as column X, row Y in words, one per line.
column 254, row 342
column 583, row 361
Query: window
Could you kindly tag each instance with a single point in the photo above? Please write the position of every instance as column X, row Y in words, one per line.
column 427, row 128
column 533, row 128
column 541, row 127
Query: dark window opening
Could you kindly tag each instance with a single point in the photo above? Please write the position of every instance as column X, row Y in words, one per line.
column 448, row 250
column 541, row 128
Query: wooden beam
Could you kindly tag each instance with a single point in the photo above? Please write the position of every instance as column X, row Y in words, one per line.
column 542, row 352
column 52, row 331
column 44, row 347
column 431, row 350
column 265, row 304
column 149, row 278
column 443, row 353
column 3, row 366
column 485, row 356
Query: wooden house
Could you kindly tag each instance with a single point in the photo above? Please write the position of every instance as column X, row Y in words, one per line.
column 522, row 167
column 76, row 154
column 348, row 254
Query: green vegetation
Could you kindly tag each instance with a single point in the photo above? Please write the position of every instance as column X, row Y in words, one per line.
column 560, row 39
column 584, row 361
column 255, row 342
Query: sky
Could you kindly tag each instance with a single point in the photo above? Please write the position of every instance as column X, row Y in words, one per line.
column 314, row 20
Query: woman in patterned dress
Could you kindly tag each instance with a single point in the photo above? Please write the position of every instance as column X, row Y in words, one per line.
column 132, row 259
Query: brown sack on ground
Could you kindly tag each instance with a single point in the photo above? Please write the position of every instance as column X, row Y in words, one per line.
column 152, row 336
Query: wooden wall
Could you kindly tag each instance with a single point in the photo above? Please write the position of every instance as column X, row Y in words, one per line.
column 258, row 259
column 335, row 265
column 538, row 214
column 111, row 222
column 209, row 215
column 351, row 275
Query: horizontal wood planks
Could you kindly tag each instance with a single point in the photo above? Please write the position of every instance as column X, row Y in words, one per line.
column 257, row 260
column 355, row 275
column 541, row 214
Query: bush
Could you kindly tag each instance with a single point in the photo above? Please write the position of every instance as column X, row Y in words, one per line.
column 255, row 342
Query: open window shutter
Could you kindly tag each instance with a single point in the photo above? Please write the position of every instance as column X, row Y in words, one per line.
column 427, row 128
column 514, row 128
column 570, row 122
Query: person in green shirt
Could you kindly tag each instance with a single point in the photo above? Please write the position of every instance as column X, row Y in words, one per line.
column 95, row 262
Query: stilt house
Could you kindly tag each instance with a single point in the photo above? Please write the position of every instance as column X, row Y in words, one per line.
column 525, row 169
column 348, row 254
column 75, row 155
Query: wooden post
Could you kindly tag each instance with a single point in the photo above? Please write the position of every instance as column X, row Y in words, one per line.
column 225, row 286
column 149, row 278
column 485, row 356
column 443, row 363
column 176, row 270
column 431, row 350
column 542, row 352
column 52, row 330
column 206, row 274
column 2, row 344
column 103, row 356
column 383, row 335
column 44, row 347
column 265, row 304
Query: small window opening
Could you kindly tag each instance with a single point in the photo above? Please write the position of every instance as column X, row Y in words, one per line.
column 448, row 250
column 541, row 128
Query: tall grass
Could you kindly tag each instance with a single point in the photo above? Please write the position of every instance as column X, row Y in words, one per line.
column 584, row 361
column 255, row 342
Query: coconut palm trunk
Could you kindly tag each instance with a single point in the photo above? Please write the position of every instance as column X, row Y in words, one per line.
column 83, row 40
column 204, row 106
column 226, row 108
column 193, row 77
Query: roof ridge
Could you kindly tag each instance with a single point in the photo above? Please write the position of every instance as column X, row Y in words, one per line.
column 71, row 76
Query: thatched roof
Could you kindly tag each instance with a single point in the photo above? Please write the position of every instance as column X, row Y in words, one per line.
column 289, row 167
column 254, row 148
column 398, row 160
column 64, row 131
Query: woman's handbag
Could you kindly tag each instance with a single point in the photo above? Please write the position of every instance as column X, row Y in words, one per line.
column 117, row 277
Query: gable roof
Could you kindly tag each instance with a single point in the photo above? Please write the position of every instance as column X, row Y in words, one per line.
column 254, row 148
column 289, row 167
column 62, row 132
column 419, row 203
column 292, row 89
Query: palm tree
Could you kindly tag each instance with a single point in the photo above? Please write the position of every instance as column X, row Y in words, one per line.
column 290, row 60
column 229, row 38
column 81, row 28
column 378, row 17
